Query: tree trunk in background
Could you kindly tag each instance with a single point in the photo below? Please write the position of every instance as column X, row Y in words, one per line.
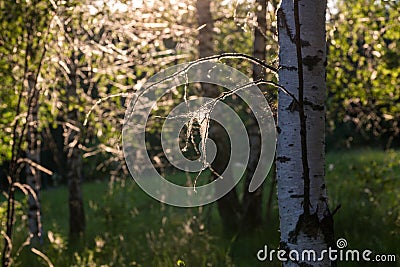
column 305, row 219
column 252, row 202
column 259, row 48
column 74, row 158
column 228, row 206
column 33, row 154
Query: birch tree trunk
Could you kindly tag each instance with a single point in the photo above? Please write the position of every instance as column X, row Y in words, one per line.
column 305, row 219
column 33, row 154
column 228, row 205
column 252, row 202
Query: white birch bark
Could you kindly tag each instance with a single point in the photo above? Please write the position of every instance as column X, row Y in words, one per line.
column 33, row 174
column 302, row 226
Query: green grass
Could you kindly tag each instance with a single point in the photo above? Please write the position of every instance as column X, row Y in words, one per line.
column 366, row 183
column 125, row 227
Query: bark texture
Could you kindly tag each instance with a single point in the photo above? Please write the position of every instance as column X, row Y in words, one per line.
column 33, row 154
column 305, row 219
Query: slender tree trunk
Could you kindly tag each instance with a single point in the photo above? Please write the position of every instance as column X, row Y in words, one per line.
column 33, row 20
column 228, row 206
column 252, row 202
column 305, row 219
column 74, row 158
column 259, row 46
column 33, row 63
column 33, row 154
column 76, row 210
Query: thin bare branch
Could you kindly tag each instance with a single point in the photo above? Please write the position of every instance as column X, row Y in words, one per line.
column 35, row 165
column 43, row 256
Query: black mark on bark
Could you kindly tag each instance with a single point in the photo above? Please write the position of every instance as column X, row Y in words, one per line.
column 288, row 68
column 283, row 159
column 311, row 61
column 296, row 196
column 313, row 106
column 294, row 106
column 305, row 43
column 282, row 23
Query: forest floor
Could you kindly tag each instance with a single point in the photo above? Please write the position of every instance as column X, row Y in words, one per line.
column 125, row 227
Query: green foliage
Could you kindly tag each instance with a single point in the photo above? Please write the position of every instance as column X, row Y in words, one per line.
column 23, row 31
column 363, row 68
column 116, row 51
column 367, row 185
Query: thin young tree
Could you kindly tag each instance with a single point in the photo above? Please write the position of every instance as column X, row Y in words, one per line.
column 23, row 52
column 305, row 219
column 74, row 157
